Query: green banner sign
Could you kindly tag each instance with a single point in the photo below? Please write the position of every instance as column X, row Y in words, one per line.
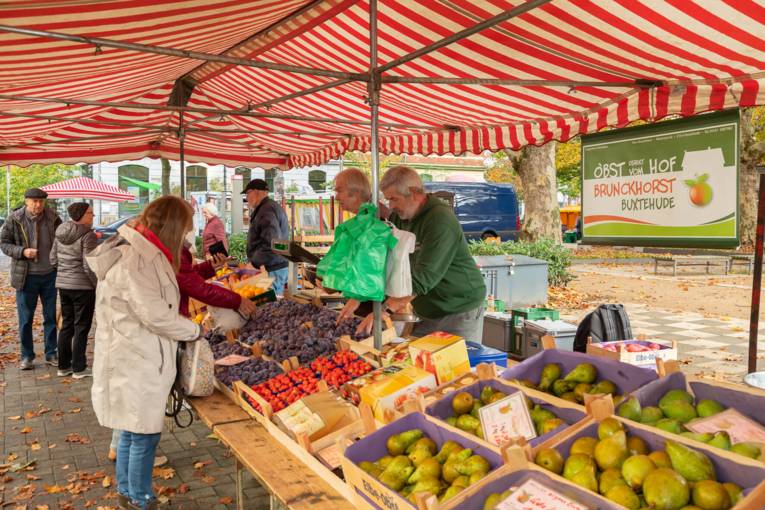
column 673, row 183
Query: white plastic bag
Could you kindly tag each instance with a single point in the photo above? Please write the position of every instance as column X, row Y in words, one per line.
column 398, row 274
column 198, row 369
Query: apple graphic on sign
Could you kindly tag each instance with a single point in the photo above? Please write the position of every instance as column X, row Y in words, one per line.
column 700, row 193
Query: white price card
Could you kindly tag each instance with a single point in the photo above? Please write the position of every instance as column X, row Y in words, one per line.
column 507, row 419
column 739, row 427
column 532, row 495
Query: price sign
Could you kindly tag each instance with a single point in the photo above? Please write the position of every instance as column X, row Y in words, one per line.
column 533, row 495
column 230, row 360
column 507, row 419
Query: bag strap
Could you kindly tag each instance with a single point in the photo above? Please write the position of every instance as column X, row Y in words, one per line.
column 177, row 394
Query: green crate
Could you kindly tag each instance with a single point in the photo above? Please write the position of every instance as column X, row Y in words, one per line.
column 569, row 236
column 533, row 314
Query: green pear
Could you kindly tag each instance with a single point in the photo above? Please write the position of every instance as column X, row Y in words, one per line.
column 751, row 450
column 550, row 459
column 462, row 481
column 680, row 411
column 668, row 425
column 473, row 464
column 576, row 463
column 708, row 407
column 560, row 387
column 449, row 471
column 476, row 477
column 497, row 395
column 446, row 449
column 572, row 397
column 635, row 469
column 609, row 427
column 397, row 444
column 407, row 490
column 431, row 485
column 450, row 492
column 492, row 501
column 580, row 389
column 692, row 465
column 486, row 394
column 720, row 439
column 660, row 458
column 540, row 415
column 664, row 489
column 710, row 495
column 427, row 469
column 624, row 496
column 583, row 373
column 476, row 406
column 704, row 438
column 637, row 446
column 467, row 423
column 424, row 442
column 367, row 466
column 734, row 491
column 609, row 479
column 586, row 479
column 675, row 395
column 612, row 451
column 452, row 420
column 549, row 425
column 585, row 445
column 397, row 473
column 630, row 409
column 650, row 415
column 550, row 373
column 384, row 461
column 604, row 387
column 419, row 456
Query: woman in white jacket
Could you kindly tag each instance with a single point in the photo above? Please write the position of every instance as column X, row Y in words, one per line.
column 137, row 337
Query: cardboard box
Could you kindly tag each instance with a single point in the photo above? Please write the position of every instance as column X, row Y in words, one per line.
column 642, row 353
column 442, row 354
column 386, row 388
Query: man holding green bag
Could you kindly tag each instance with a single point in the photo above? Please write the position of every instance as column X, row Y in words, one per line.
column 449, row 291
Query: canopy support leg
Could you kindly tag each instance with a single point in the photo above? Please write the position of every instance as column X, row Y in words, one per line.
column 374, row 105
column 757, row 276
column 181, row 155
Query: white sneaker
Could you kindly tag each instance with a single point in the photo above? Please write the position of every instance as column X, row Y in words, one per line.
column 82, row 375
column 64, row 373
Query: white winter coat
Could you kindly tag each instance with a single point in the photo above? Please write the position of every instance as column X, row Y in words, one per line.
column 137, row 334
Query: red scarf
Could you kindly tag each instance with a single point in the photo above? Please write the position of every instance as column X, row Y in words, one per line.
column 153, row 239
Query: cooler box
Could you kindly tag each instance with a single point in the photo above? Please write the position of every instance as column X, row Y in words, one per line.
column 498, row 333
column 478, row 353
column 533, row 331
column 517, row 280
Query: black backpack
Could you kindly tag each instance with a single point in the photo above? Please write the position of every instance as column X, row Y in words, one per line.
column 607, row 323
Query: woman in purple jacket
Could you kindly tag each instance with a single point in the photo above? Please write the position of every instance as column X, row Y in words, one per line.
column 214, row 230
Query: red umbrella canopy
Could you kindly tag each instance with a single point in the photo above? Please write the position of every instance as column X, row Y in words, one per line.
column 84, row 187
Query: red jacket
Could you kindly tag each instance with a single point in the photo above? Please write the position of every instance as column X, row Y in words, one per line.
column 214, row 231
column 191, row 283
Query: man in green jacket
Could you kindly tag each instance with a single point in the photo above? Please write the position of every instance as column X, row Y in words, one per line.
column 448, row 288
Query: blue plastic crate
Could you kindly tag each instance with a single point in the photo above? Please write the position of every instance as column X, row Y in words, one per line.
column 478, row 353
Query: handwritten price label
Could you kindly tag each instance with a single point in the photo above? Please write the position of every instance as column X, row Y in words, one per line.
column 507, row 419
column 533, row 495
column 231, row 359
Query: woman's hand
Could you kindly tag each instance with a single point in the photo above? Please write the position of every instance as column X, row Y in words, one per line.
column 247, row 307
column 365, row 328
column 218, row 261
column 347, row 312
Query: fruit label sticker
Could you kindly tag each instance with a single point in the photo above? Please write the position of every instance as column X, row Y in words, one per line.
column 532, row 495
column 739, row 427
column 507, row 419
column 231, row 360
column 671, row 183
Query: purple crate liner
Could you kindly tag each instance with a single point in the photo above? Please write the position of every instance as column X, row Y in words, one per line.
column 644, row 343
column 442, row 409
column 751, row 405
column 517, row 478
column 651, row 393
column 727, row 470
column 626, row 377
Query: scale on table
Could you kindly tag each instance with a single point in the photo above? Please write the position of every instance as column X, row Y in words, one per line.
column 296, row 254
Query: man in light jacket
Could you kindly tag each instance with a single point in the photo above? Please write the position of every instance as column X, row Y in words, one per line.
column 76, row 286
column 27, row 238
column 267, row 222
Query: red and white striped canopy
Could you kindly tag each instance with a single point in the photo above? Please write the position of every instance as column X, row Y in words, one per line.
column 561, row 68
column 84, row 187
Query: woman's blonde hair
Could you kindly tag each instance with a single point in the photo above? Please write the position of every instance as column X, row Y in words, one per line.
column 170, row 218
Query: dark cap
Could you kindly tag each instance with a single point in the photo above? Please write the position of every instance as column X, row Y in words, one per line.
column 258, row 184
column 77, row 210
column 35, row 193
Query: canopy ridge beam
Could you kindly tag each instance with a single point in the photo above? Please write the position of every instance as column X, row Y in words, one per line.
column 81, row 139
column 211, row 111
column 499, row 18
column 189, row 54
column 520, row 83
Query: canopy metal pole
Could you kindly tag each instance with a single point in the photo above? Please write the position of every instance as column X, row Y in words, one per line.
column 510, row 82
column 173, row 52
column 181, row 137
column 7, row 191
column 374, row 106
column 754, row 318
column 225, row 197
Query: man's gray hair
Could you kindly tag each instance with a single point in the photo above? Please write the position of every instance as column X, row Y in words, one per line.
column 357, row 182
column 404, row 179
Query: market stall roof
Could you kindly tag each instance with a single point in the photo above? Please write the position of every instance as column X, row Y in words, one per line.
column 84, row 187
column 92, row 81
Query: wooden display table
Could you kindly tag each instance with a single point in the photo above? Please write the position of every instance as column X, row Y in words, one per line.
column 217, row 409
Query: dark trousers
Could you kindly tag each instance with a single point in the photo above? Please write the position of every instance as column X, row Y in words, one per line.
column 44, row 287
column 77, row 306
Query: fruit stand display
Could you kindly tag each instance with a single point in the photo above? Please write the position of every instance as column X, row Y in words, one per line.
column 635, row 352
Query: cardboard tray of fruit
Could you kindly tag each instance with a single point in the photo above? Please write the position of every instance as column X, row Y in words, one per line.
column 638, row 352
column 678, row 404
column 638, row 467
column 377, row 467
column 458, row 410
column 574, row 376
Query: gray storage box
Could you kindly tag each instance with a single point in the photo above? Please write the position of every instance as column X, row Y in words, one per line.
column 498, row 331
column 517, row 280
column 533, row 331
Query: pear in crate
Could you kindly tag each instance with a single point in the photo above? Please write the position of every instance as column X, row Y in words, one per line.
column 398, row 443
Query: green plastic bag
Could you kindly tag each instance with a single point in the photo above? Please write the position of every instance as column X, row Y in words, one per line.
column 355, row 265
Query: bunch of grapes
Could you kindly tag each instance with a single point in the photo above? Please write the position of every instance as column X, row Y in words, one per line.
column 223, row 349
column 250, row 372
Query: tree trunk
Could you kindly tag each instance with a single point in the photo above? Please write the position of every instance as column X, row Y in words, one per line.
column 278, row 185
column 748, row 180
column 165, row 177
column 536, row 168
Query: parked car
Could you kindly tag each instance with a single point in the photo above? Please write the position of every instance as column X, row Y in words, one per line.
column 483, row 209
column 105, row 232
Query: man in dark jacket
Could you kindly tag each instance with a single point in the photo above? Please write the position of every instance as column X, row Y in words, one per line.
column 27, row 238
column 76, row 286
column 267, row 222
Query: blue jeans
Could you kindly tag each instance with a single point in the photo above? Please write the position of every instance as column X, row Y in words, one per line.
column 280, row 277
column 44, row 287
column 135, row 463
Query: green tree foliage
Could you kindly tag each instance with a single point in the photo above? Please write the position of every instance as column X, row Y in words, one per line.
column 34, row 176
column 568, row 161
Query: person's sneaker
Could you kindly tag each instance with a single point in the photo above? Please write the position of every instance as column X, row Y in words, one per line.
column 65, row 372
column 27, row 364
column 52, row 361
column 83, row 374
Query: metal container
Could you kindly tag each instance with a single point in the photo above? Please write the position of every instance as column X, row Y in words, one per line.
column 533, row 331
column 756, row 380
column 498, row 332
column 517, row 280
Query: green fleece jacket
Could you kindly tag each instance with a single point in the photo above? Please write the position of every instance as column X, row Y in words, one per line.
column 445, row 278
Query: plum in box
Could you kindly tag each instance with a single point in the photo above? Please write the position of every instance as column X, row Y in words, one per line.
column 442, row 354
column 635, row 352
column 373, row 447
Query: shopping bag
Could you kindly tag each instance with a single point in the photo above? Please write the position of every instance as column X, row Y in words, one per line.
column 398, row 274
column 197, row 369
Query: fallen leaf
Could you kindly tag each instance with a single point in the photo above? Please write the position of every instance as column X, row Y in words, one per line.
column 25, row 492
column 182, row 488
column 106, row 482
column 35, row 446
column 51, row 446
column 42, row 507
column 202, row 463
column 75, row 400
column 164, row 473
column 32, row 478
column 75, row 410
column 14, row 418
column 74, row 437
column 11, row 457
column 54, row 489
column 226, row 500
column 26, row 430
column 43, row 377
column 208, row 479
